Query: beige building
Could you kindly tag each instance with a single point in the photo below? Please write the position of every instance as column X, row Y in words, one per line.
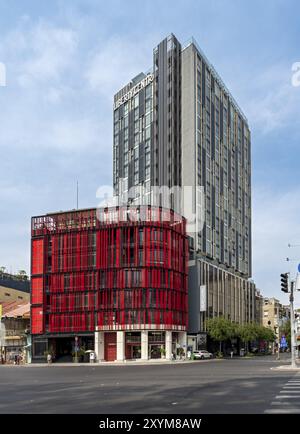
column 14, row 331
column 274, row 314
column 13, row 288
column 10, row 294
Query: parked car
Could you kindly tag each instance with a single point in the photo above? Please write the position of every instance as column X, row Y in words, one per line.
column 202, row 354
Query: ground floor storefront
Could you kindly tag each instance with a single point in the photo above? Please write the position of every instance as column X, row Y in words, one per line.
column 144, row 345
column 109, row 346
column 63, row 347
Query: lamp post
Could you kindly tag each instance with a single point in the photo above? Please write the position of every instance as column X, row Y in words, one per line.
column 293, row 352
column 76, row 349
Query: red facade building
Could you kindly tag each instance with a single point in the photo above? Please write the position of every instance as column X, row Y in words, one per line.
column 111, row 280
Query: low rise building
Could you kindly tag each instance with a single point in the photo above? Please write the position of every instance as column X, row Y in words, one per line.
column 259, row 307
column 13, row 288
column 274, row 315
column 112, row 281
column 14, row 330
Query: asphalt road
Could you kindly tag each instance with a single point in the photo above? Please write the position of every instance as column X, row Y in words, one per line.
column 202, row 387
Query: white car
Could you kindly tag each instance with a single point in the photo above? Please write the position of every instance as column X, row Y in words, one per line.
column 202, row 354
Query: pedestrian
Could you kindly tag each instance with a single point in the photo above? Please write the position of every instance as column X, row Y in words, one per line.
column 49, row 359
column 231, row 354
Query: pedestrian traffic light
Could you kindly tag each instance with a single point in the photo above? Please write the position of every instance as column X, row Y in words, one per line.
column 284, row 282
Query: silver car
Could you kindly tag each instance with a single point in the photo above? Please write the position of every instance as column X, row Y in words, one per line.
column 202, row 354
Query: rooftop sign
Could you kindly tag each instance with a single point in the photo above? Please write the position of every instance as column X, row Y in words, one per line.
column 134, row 90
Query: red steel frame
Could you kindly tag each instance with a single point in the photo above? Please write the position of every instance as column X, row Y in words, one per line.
column 116, row 275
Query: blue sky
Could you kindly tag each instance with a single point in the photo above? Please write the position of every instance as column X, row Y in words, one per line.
column 64, row 61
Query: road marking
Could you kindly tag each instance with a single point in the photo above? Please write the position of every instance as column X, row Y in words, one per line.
column 280, row 403
column 287, row 388
column 282, row 411
column 285, row 402
column 289, row 391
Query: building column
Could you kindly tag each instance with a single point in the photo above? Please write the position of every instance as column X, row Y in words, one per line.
column 99, row 346
column 120, row 346
column 168, row 344
column 144, row 345
column 182, row 340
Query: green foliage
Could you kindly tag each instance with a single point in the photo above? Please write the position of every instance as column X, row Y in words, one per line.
column 22, row 275
column 253, row 331
column 265, row 333
column 220, row 329
column 248, row 332
column 285, row 329
column 162, row 351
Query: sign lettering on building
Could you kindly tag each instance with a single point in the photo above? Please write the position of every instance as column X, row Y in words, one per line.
column 133, row 91
column 203, row 298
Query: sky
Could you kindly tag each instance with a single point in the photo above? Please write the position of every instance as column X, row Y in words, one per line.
column 64, row 61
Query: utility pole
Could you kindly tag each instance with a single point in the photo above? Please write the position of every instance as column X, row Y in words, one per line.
column 293, row 344
column 77, row 194
column 287, row 285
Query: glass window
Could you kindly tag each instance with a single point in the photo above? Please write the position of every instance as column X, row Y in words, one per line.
column 148, row 91
column 126, row 108
column 147, row 133
column 148, row 119
column 136, row 102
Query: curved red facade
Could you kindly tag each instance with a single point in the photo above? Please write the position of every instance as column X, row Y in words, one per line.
column 113, row 268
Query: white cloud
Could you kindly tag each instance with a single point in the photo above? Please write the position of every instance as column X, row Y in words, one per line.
column 115, row 62
column 275, row 224
column 51, row 51
column 269, row 99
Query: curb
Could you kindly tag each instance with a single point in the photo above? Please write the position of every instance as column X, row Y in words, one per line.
column 102, row 364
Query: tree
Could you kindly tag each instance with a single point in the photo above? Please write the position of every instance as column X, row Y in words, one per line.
column 248, row 333
column 2, row 270
column 22, row 275
column 220, row 329
column 265, row 333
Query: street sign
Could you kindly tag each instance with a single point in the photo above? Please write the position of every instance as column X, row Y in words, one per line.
column 299, row 268
column 283, row 342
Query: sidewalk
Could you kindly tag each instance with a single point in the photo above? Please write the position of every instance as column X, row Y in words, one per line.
column 125, row 363
column 286, row 368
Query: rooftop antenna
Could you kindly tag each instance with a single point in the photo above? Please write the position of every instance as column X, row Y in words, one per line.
column 77, row 190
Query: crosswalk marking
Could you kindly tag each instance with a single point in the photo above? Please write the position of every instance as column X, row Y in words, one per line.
column 283, row 411
column 289, row 391
column 292, row 387
column 280, row 403
column 288, row 399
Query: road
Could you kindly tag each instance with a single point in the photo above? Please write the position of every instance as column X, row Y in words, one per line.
column 202, row 387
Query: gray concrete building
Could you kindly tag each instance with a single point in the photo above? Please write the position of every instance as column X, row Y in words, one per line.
column 178, row 126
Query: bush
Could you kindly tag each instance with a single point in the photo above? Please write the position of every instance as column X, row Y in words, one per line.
column 219, row 355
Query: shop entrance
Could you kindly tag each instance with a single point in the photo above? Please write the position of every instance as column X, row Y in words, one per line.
column 133, row 345
column 110, row 346
column 63, row 349
column 156, row 348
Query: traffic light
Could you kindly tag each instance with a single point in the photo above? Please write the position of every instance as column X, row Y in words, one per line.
column 284, row 282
